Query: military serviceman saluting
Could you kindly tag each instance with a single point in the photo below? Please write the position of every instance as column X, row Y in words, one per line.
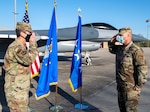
column 131, row 70
column 16, row 64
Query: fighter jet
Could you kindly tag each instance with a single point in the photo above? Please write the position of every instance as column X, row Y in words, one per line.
column 92, row 35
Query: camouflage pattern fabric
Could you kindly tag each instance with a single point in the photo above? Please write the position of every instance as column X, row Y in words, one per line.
column 17, row 79
column 131, row 71
column 128, row 99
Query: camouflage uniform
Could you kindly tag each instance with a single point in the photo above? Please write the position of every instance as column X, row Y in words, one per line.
column 17, row 79
column 131, row 71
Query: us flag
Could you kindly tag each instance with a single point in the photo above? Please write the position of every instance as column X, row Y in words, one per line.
column 26, row 17
column 35, row 67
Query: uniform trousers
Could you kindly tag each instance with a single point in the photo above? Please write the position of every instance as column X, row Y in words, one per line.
column 17, row 92
column 128, row 99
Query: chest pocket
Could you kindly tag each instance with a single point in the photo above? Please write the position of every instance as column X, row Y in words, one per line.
column 127, row 62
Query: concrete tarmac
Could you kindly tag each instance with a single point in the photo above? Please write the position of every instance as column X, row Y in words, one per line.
column 98, row 91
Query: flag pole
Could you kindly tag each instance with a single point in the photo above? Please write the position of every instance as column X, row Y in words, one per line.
column 80, row 105
column 81, row 97
column 56, row 95
column 56, row 107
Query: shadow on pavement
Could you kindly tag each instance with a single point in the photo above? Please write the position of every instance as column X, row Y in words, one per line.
column 70, row 98
column 74, row 101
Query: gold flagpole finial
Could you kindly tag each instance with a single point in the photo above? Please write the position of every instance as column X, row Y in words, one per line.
column 55, row 3
column 26, row 5
column 79, row 12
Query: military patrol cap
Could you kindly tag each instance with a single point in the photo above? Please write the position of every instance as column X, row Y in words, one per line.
column 124, row 30
column 23, row 26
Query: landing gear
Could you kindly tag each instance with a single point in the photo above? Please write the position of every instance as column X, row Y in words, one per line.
column 88, row 59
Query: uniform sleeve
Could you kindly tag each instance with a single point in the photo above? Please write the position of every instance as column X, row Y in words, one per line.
column 24, row 56
column 112, row 47
column 141, row 67
column 33, row 52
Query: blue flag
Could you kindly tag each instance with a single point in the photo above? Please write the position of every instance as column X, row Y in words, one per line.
column 49, row 70
column 75, row 79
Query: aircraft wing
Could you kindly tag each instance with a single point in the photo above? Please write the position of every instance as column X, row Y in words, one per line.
column 138, row 38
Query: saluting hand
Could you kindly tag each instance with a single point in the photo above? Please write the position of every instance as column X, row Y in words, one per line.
column 33, row 37
column 113, row 39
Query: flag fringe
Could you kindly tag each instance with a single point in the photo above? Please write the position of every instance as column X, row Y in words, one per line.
column 53, row 83
column 34, row 75
column 43, row 96
column 72, row 87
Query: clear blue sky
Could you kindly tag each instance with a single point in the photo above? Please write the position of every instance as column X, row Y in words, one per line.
column 119, row 13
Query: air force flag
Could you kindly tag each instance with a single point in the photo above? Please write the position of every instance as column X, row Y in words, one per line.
column 49, row 71
column 75, row 79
